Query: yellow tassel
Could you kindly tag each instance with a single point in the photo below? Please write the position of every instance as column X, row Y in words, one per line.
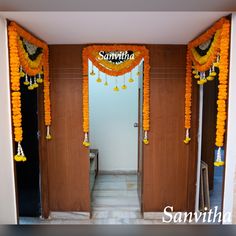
column 131, row 80
column 99, row 80
column 31, row 87
column 219, row 163
column 92, row 73
column 39, row 80
column 124, row 86
column 196, row 76
column 210, row 78
column 213, row 73
column 86, row 144
column 26, row 82
column 116, row 89
column 138, row 73
column 145, row 141
column 187, row 140
column 22, row 74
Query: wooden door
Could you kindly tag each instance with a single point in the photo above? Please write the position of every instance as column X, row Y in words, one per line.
column 169, row 171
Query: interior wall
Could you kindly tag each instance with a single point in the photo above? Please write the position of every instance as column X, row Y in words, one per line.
column 230, row 165
column 112, row 116
column 8, row 209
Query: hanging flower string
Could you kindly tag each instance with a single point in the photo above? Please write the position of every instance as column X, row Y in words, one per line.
column 188, row 98
column 112, row 69
column 22, row 66
column 222, row 91
column 204, row 70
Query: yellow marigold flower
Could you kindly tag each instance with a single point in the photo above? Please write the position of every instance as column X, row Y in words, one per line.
column 31, row 87
column 131, row 80
column 210, row 78
column 196, row 76
column 49, row 137
column 213, row 73
column 218, row 163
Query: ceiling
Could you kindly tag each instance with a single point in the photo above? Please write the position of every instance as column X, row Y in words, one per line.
column 115, row 27
column 118, row 5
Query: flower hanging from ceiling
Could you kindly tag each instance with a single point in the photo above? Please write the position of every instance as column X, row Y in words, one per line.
column 29, row 61
column 207, row 59
column 116, row 60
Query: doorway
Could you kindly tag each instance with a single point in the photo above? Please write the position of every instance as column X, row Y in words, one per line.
column 27, row 173
column 115, row 124
column 211, row 196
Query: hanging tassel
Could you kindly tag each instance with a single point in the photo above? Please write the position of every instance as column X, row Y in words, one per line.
column 92, row 72
column 86, row 142
column 22, row 74
column 35, row 82
column 106, row 83
column 209, row 77
column 26, row 82
column 219, row 161
column 217, row 63
column 187, row 137
column 145, row 139
column 124, row 85
column 20, row 156
column 203, row 79
column 48, row 135
column 116, row 89
column 213, row 73
column 131, row 80
column 99, row 80
column 30, row 87
column 39, row 79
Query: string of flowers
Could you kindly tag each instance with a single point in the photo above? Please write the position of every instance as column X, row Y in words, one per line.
column 222, row 92
column 217, row 56
column 91, row 53
column 19, row 60
column 188, row 97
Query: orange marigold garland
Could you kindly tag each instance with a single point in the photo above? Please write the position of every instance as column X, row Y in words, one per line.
column 217, row 56
column 19, row 61
column 92, row 53
column 222, row 91
column 188, row 97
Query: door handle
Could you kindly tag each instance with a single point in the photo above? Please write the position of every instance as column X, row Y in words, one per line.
column 135, row 125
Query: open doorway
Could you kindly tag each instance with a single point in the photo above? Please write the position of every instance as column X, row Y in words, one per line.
column 211, row 177
column 27, row 173
column 115, row 125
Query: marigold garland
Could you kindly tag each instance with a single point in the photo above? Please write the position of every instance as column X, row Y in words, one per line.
column 91, row 53
column 217, row 56
column 19, row 60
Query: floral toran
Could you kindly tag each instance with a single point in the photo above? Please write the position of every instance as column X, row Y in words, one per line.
column 207, row 58
column 29, row 61
column 92, row 53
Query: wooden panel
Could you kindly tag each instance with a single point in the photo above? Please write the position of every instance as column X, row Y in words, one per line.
column 167, row 159
column 68, row 161
column 209, row 127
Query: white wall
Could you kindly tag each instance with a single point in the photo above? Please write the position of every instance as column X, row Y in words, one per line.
column 231, row 130
column 112, row 115
column 8, row 213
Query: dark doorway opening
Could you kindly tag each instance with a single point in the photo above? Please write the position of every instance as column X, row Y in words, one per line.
column 27, row 173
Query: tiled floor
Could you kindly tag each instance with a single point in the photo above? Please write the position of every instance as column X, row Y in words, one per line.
column 114, row 201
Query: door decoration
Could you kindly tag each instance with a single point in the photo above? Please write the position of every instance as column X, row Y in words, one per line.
column 29, row 62
column 207, row 59
column 113, row 61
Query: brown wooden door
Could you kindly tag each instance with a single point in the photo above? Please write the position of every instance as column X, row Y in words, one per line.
column 169, row 171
